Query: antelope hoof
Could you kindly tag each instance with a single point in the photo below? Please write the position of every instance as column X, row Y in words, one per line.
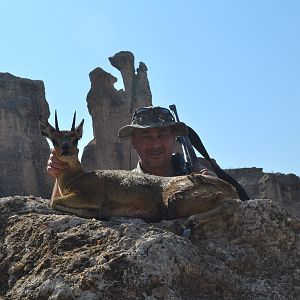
column 186, row 232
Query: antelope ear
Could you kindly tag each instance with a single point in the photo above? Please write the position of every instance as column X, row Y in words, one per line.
column 46, row 129
column 79, row 129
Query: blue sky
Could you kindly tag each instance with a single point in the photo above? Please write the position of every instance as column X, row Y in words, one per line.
column 231, row 67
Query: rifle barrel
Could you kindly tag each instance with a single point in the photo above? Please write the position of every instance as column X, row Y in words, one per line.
column 187, row 148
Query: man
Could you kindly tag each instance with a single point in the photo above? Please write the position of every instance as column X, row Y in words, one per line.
column 153, row 132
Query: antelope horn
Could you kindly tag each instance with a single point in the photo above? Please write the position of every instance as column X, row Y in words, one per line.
column 73, row 124
column 56, row 122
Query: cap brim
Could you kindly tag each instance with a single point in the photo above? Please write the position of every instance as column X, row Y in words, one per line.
column 179, row 129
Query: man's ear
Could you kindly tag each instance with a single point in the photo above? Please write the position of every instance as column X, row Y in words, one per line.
column 46, row 129
column 79, row 129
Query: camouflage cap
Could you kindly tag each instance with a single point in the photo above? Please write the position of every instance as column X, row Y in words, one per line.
column 152, row 117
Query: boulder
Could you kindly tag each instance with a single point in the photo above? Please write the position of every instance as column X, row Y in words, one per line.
column 111, row 109
column 23, row 150
column 252, row 253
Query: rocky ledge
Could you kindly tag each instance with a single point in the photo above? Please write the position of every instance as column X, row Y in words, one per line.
column 254, row 253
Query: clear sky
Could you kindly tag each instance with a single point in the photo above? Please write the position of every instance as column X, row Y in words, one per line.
column 232, row 67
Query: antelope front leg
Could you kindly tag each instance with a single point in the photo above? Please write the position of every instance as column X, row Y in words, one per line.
column 74, row 200
column 73, row 204
column 227, row 206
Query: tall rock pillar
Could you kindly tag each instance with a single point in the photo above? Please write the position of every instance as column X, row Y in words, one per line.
column 111, row 109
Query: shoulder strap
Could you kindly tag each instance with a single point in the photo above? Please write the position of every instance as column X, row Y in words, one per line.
column 198, row 145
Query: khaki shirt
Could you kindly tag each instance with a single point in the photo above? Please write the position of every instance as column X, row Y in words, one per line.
column 138, row 169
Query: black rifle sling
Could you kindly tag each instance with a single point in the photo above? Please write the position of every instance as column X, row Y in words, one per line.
column 198, row 145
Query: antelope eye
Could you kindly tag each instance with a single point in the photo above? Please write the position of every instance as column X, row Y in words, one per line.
column 75, row 143
column 55, row 143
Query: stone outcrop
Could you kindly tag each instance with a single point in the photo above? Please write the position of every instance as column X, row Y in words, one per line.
column 23, row 151
column 253, row 253
column 111, row 109
column 284, row 188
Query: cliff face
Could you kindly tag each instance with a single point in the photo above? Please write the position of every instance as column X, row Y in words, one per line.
column 276, row 186
column 111, row 109
column 253, row 253
column 23, row 151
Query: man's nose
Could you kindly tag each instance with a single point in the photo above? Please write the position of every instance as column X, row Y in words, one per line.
column 155, row 142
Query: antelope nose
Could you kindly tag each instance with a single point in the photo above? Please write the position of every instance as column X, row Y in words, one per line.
column 65, row 148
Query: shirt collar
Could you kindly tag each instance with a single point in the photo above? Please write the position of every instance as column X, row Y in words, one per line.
column 169, row 173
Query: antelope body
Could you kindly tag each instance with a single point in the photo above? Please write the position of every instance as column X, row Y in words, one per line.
column 107, row 193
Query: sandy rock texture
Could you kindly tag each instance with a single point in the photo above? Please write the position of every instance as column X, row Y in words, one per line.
column 252, row 253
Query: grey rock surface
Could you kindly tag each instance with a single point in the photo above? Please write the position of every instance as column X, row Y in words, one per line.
column 23, row 150
column 111, row 109
column 283, row 188
column 253, row 253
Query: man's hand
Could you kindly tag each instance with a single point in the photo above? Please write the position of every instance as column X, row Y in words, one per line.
column 205, row 171
column 54, row 165
column 198, row 168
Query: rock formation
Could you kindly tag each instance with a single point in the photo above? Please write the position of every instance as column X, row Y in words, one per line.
column 23, row 151
column 254, row 253
column 276, row 186
column 111, row 109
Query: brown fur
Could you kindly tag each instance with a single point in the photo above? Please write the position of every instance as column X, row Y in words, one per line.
column 107, row 193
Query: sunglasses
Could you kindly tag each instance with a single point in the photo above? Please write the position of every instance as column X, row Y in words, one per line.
column 153, row 114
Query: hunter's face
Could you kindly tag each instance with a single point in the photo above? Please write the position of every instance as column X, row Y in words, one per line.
column 154, row 147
